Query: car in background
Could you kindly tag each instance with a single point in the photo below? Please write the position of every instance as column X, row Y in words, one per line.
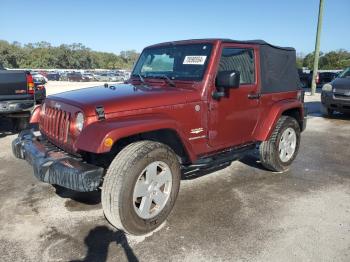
column 127, row 75
column 326, row 77
column 40, row 91
column 321, row 78
column 53, row 76
column 19, row 94
column 80, row 77
column 335, row 95
column 107, row 77
column 122, row 76
column 37, row 77
column 303, row 77
column 64, row 76
column 88, row 77
column 75, row 76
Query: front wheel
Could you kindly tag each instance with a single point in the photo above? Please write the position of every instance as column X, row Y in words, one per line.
column 140, row 187
column 277, row 153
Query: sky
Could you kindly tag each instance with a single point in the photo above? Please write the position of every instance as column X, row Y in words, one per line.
column 113, row 26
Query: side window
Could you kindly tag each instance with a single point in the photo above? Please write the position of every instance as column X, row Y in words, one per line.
column 239, row 59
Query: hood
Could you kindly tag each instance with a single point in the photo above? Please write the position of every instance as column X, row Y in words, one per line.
column 125, row 97
column 341, row 84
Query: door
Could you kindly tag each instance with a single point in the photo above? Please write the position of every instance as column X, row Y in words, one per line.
column 232, row 118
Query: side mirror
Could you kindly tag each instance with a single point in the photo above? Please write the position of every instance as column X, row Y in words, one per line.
column 228, row 79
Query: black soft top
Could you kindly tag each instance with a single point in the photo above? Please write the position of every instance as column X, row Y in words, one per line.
column 278, row 69
column 257, row 42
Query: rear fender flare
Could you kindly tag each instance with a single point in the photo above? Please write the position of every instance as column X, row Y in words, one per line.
column 265, row 128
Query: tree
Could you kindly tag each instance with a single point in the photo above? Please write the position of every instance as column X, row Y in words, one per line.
column 335, row 60
column 74, row 56
column 77, row 56
column 299, row 60
column 339, row 59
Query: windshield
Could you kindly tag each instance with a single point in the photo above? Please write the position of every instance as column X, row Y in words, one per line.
column 345, row 73
column 182, row 62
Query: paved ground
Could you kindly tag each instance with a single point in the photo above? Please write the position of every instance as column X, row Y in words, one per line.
column 241, row 213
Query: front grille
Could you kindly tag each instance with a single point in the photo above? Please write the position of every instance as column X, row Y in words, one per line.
column 342, row 96
column 55, row 126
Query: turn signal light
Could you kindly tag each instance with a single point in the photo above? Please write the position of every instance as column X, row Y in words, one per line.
column 30, row 84
column 108, row 142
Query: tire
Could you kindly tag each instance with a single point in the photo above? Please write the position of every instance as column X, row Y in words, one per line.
column 326, row 111
column 270, row 153
column 122, row 177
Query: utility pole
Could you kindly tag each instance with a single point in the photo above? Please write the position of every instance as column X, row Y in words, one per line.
column 317, row 48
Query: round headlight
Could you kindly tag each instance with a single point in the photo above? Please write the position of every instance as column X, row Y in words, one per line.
column 79, row 121
column 327, row 87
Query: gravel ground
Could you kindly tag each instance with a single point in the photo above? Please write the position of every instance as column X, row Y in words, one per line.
column 240, row 213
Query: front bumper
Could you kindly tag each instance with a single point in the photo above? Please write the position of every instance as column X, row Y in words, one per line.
column 53, row 166
column 337, row 102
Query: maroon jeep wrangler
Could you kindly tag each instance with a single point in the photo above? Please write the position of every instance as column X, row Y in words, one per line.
column 188, row 106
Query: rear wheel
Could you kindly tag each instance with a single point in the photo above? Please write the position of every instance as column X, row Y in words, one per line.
column 140, row 187
column 277, row 153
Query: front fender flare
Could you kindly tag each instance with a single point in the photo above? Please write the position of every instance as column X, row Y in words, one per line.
column 93, row 136
column 34, row 119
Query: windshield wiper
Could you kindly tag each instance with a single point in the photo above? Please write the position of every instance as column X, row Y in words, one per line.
column 166, row 78
column 170, row 82
column 141, row 78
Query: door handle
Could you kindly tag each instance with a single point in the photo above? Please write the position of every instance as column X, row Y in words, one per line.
column 254, row 96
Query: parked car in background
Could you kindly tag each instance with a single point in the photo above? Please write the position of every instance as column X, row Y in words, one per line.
column 80, row 77
column 189, row 105
column 40, row 91
column 335, row 95
column 326, row 77
column 321, row 78
column 122, row 76
column 53, row 76
column 75, row 76
column 37, row 77
column 64, row 76
column 107, row 77
column 126, row 75
column 18, row 96
column 88, row 77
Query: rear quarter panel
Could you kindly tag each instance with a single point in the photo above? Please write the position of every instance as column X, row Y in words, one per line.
column 272, row 107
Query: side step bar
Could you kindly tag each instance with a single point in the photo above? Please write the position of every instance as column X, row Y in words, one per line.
column 221, row 159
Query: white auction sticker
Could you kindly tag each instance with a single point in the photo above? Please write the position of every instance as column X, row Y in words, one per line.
column 195, row 60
